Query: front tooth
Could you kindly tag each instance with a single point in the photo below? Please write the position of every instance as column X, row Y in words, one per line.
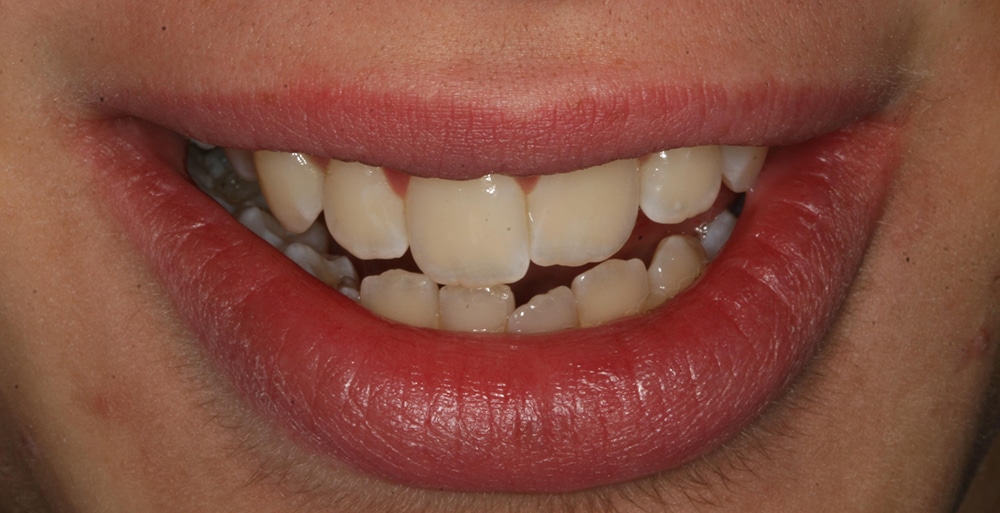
column 741, row 165
column 481, row 309
column 293, row 186
column 584, row 216
column 362, row 212
column 678, row 261
column 611, row 290
column 555, row 310
column 681, row 183
column 402, row 296
column 472, row 233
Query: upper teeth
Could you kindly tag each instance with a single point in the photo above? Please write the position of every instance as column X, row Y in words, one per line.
column 476, row 235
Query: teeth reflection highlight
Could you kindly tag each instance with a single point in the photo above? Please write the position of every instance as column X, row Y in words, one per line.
column 677, row 263
column 362, row 212
column 402, row 296
column 552, row 311
column 681, row 183
column 475, row 236
column 482, row 309
column 584, row 216
column 741, row 165
column 611, row 290
column 472, row 233
column 293, row 186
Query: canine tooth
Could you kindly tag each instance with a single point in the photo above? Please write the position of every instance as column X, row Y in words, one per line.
column 480, row 309
column 242, row 163
column 402, row 296
column 362, row 212
column 552, row 311
column 677, row 263
column 336, row 271
column 717, row 232
column 611, row 290
column 293, row 186
column 583, row 216
column 741, row 165
column 472, row 233
column 680, row 183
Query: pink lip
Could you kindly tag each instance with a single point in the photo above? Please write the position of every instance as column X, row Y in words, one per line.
column 550, row 413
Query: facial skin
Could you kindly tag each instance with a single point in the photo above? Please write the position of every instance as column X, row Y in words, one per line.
column 107, row 403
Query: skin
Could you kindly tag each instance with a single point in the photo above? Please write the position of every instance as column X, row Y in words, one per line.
column 107, row 405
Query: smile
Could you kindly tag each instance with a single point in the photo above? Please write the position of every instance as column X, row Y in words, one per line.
column 373, row 364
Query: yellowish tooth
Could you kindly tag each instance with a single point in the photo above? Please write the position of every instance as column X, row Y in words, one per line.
column 681, row 183
column 292, row 183
column 583, row 216
column 472, row 233
column 402, row 296
column 362, row 212
column 611, row 290
column 482, row 309
column 679, row 261
column 552, row 311
column 741, row 165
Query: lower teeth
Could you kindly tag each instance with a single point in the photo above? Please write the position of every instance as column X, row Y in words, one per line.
column 608, row 291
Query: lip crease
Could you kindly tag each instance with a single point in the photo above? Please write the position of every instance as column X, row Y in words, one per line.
column 544, row 413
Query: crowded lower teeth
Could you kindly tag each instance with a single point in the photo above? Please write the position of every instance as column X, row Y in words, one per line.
column 449, row 254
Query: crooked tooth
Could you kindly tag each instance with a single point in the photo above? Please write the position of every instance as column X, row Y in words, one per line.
column 741, row 165
column 611, row 290
column 472, row 233
column 584, row 216
column 481, row 309
column 362, row 212
column 293, row 186
column 681, row 183
column 402, row 296
column 677, row 263
column 552, row 311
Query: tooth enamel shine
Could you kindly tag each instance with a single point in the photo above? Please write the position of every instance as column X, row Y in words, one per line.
column 362, row 212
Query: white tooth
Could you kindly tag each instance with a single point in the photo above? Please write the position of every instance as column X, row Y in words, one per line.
column 481, row 309
column 611, row 290
column 335, row 271
column 584, row 216
column 362, row 212
column 677, row 263
column 264, row 226
column 741, row 165
column 402, row 296
column 242, row 163
column 717, row 232
column 681, row 183
column 292, row 183
column 472, row 233
column 553, row 311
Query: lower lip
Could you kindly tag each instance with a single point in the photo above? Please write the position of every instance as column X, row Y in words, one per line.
column 548, row 413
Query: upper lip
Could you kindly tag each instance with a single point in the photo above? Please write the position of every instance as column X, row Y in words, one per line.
column 557, row 412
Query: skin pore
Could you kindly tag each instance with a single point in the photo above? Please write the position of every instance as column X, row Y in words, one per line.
column 108, row 403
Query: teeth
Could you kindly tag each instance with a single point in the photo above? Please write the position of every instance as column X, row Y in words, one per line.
column 677, row 263
column 553, row 311
column 242, row 162
column 362, row 212
column 402, row 296
column 611, row 290
column 336, row 271
column 472, row 233
column 741, row 165
column 717, row 232
column 293, row 186
column 482, row 309
column 681, row 183
column 584, row 216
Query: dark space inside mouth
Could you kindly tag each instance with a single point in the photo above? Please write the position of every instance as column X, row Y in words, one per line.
column 211, row 171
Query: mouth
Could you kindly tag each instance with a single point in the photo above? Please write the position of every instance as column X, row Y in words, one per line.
column 364, row 350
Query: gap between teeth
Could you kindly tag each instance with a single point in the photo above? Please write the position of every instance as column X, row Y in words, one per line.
column 470, row 239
